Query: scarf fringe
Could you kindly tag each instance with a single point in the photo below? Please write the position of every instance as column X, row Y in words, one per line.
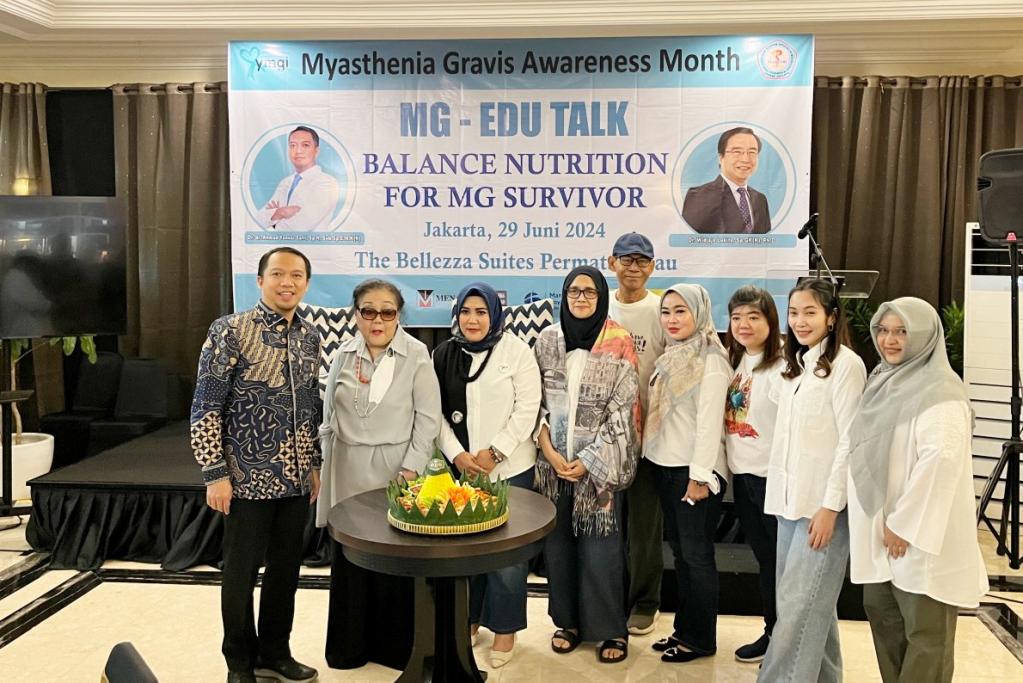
column 587, row 519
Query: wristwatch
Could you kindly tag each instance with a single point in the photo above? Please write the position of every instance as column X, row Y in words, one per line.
column 699, row 483
column 498, row 458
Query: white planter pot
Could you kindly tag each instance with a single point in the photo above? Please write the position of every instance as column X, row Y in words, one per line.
column 32, row 458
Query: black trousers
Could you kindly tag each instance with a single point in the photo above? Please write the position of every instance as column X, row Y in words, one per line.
column 761, row 532
column 258, row 531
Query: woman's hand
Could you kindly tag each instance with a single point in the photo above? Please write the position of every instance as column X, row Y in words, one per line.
column 408, row 474
column 696, row 492
column 574, row 471
column 466, row 463
column 822, row 528
column 485, row 460
column 896, row 544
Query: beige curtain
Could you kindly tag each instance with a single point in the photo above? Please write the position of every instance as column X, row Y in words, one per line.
column 25, row 170
column 894, row 165
column 172, row 169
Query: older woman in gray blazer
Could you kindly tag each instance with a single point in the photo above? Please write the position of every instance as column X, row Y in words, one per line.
column 382, row 412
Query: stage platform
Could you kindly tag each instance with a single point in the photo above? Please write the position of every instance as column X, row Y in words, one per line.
column 145, row 501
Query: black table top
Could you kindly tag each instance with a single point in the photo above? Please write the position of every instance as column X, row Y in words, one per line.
column 360, row 523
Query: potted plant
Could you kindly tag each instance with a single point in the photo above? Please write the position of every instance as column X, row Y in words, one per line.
column 33, row 451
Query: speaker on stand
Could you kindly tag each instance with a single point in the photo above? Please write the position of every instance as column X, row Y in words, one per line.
column 1001, row 222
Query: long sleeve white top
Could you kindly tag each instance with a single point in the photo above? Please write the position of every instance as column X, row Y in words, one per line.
column 692, row 433
column 316, row 193
column 930, row 504
column 814, row 414
column 501, row 407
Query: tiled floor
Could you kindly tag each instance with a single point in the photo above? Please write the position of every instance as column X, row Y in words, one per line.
column 177, row 630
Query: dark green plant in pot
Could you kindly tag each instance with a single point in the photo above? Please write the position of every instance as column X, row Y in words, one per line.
column 953, row 317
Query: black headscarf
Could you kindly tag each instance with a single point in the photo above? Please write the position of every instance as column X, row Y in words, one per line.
column 583, row 333
column 453, row 365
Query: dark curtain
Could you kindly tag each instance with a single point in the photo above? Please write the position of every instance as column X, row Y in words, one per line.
column 172, row 167
column 894, row 164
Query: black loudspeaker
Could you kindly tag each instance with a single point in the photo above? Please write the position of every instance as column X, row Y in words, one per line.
column 1001, row 195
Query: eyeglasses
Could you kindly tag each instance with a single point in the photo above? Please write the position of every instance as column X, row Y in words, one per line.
column 575, row 293
column 641, row 261
column 370, row 314
column 739, row 153
column 897, row 332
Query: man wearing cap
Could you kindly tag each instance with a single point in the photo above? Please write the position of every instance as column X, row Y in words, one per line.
column 638, row 310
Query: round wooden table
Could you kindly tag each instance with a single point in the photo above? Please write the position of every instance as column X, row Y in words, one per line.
column 441, row 566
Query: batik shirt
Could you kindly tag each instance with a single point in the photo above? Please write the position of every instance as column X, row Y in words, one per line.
column 257, row 405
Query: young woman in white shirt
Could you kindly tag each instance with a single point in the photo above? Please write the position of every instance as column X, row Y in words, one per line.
column 490, row 398
column 911, row 505
column 806, row 485
column 755, row 353
column 685, row 443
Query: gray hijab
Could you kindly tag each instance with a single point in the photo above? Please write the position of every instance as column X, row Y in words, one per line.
column 895, row 394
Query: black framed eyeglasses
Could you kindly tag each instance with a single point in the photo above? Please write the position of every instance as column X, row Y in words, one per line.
column 370, row 314
column 641, row 261
column 575, row 293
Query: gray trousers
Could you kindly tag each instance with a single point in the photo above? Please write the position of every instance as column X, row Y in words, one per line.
column 914, row 635
column 645, row 541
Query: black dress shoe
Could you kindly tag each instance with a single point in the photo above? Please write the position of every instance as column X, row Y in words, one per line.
column 286, row 670
column 236, row 677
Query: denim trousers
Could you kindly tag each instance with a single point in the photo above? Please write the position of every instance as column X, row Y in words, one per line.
column 497, row 601
column 690, row 530
column 761, row 531
column 586, row 576
column 805, row 646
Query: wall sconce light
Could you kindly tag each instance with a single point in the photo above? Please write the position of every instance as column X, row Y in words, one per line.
column 22, row 186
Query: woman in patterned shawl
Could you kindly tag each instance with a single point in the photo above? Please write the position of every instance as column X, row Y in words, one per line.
column 589, row 442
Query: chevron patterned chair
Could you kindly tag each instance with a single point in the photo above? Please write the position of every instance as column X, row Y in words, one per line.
column 337, row 325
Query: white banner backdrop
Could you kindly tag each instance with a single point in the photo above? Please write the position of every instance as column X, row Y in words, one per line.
column 437, row 163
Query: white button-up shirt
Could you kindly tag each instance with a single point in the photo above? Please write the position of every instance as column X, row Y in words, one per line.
column 930, row 504
column 814, row 414
column 316, row 193
column 502, row 406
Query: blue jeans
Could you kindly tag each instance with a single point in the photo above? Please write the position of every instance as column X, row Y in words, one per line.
column 804, row 646
column 761, row 531
column 690, row 530
column 497, row 600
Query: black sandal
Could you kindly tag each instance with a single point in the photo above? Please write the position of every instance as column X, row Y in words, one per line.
column 613, row 644
column 666, row 643
column 571, row 638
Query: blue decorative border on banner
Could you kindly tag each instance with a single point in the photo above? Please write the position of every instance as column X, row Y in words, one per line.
column 432, row 307
column 533, row 64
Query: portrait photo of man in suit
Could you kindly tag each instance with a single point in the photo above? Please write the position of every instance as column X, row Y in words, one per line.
column 728, row 204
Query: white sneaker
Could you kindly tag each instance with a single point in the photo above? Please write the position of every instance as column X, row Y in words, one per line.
column 642, row 624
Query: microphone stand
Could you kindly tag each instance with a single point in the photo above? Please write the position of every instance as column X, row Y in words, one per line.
column 817, row 259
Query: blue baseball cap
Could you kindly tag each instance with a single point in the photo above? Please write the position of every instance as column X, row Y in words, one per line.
column 633, row 243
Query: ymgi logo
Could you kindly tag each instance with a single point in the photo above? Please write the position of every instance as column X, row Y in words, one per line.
column 425, row 298
column 777, row 60
column 262, row 63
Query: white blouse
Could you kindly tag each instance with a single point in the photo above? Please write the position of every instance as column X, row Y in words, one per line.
column 814, row 414
column 692, row 434
column 501, row 407
column 931, row 505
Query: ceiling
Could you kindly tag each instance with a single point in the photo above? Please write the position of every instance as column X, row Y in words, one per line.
column 93, row 42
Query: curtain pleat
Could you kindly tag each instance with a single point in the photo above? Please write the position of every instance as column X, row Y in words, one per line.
column 172, row 169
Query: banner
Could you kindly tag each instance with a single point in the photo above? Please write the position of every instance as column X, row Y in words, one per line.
column 437, row 163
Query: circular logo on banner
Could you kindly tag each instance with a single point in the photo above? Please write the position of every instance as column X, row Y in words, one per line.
column 698, row 179
column 777, row 60
column 276, row 199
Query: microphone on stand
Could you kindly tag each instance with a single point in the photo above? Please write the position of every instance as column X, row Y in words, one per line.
column 808, row 226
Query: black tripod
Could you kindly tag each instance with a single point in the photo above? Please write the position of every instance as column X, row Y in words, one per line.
column 1011, row 449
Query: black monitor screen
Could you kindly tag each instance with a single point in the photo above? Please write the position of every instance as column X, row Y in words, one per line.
column 62, row 266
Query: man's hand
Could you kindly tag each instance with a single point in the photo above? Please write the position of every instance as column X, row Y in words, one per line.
column 315, row 493
column 896, row 544
column 822, row 528
column 285, row 212
column 218, row 496
column 466, row 463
